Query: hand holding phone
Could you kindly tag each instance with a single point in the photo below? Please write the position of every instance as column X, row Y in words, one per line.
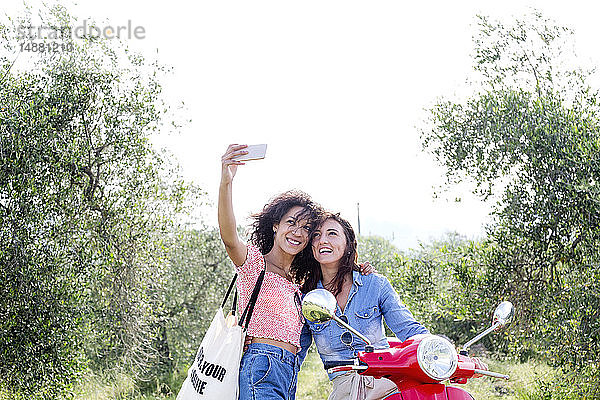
column 255, row 152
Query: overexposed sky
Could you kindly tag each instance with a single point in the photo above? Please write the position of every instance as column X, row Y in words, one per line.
column 335, row 88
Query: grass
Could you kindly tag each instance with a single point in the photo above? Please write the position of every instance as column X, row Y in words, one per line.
column 313, row 383
column 523, row 380
column 111, row 386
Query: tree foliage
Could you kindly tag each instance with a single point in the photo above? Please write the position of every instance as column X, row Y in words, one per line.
column 91, row 219
column 439, row 283
column 378, row 251
column 199, row 272
column 528, row 138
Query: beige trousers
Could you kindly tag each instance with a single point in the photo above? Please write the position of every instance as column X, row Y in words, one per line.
column 352, row 386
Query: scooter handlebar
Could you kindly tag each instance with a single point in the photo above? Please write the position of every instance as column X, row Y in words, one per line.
column 344, row 365
column 341, row 363
column 345, row 368
column 490, row 373
column 467, row 369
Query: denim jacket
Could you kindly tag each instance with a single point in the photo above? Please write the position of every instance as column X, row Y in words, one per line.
column 371, row 298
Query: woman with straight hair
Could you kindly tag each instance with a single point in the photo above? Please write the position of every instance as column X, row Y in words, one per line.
column 362, row 301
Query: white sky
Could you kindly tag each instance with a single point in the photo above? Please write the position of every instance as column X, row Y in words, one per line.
column 335, row 88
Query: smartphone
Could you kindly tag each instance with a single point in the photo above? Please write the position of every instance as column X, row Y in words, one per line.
column 255, row 152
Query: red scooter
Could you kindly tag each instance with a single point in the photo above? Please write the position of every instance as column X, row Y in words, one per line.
column 419, row 365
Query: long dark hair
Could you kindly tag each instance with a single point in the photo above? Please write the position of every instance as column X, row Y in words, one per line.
column 310, row 274
column 262, row 227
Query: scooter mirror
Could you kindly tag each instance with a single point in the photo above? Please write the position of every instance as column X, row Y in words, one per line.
column 503, row 314
column 318, row 305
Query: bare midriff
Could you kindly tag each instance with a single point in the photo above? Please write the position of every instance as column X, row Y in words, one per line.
column 284, row 345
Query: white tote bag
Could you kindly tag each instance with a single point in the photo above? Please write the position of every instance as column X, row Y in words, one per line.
column 214, row 373
column 215, row 370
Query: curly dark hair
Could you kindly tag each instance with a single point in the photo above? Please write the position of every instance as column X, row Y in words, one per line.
column 271, row 214
column 309, row 274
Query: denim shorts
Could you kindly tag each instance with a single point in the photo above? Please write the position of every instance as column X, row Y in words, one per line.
column 268, row 372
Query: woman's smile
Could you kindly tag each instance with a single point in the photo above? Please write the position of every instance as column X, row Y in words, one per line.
column 329, row 242
column 291, row 233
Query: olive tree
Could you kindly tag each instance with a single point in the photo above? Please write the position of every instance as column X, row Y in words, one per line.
column 528, row 137
column 89, row 213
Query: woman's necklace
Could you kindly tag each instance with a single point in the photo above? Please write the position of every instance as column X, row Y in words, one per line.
column 280, row 270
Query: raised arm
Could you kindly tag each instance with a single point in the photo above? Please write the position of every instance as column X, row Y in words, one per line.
column 227, row 226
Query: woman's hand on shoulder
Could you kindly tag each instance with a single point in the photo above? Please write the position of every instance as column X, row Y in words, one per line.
column 229, row 162
column 367, row 269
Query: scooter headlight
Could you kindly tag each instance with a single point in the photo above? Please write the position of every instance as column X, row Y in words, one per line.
column 437, row 357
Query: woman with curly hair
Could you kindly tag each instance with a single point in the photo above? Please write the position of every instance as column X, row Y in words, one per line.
column 279, row 238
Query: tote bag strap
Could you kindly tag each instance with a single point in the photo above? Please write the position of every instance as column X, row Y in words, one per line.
column 234, row 304
column 231, row 286
column 247, row 314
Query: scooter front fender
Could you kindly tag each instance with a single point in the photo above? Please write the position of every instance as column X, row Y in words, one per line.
column 432, row 392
